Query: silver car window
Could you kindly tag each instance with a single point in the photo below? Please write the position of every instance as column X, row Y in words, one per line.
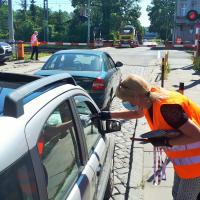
column 90, row 125
column 58, row 151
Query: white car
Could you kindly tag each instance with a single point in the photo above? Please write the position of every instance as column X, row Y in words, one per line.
column 5, row 51
column 52, row 146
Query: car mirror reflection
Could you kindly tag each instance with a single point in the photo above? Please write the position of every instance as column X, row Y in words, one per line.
column 112, row 126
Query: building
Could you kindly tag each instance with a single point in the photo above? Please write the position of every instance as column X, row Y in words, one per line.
column 184, row 28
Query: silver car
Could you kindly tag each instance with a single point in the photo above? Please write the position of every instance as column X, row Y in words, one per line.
column 52, row 146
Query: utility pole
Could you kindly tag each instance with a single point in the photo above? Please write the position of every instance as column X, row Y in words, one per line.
column 174, row 31
column 10, row 21
column 88, row 15
column 45, row 24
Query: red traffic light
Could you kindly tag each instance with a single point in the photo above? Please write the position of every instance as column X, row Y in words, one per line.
column 192, row 15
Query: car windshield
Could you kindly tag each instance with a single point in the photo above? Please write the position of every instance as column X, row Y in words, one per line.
column 73, row 62
column 126, row 31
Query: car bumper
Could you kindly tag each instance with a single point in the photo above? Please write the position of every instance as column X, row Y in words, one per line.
column 5, row 56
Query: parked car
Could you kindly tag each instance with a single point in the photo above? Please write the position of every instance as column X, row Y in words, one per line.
column 52, row 146
column 94, row 70
column 5, row 51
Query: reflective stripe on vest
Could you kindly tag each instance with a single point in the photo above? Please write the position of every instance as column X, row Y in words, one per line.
column 185, row 158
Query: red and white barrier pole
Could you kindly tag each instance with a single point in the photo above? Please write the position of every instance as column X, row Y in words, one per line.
column 196, row 52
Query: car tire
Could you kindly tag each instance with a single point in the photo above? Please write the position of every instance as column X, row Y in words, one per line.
column 2, row 62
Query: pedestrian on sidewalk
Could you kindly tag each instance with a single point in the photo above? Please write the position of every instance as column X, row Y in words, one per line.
column 172, row 111
column 34, row 45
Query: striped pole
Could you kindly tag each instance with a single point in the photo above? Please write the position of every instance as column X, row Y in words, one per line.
column 196, row 41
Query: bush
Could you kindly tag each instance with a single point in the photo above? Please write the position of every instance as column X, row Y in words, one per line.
column 196, row 63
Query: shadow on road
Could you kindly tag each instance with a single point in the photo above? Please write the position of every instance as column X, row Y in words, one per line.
column 191, row 85
column 2, row 64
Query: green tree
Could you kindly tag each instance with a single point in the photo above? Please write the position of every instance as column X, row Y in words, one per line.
column 33, row 11
column 77, row 31
column 161, row 15
column 4, row 21
column 110, row 15
column 58, row 27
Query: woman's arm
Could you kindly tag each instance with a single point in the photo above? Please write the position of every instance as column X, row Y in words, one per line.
column 122, row 114
column 127, row 114
column 190, row 134
column 176, row 117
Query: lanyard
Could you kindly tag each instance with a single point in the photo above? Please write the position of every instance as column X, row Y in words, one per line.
column 159, row 166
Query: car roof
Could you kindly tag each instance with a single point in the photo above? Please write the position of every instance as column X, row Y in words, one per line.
column 13, row 125
column 12, row 102
column 85, row 51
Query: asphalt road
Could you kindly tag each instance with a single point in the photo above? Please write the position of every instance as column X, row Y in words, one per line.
column 136, row 60
column 141, row 56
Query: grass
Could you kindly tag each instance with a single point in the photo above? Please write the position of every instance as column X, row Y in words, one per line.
column 27, row 56
column 196, row 64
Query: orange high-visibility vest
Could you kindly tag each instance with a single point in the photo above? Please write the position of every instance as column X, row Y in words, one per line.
column 185, row 158
column 34, row 40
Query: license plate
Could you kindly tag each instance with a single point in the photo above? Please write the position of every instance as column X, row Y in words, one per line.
column 125, row 45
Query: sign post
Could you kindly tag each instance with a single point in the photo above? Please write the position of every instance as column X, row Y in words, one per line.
column 197, row 29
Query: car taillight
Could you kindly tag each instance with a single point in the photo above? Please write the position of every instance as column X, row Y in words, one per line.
column 98, row 84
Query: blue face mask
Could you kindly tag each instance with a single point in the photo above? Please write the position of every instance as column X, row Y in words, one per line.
column 129, row 106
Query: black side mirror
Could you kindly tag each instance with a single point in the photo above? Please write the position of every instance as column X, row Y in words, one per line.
column 112, row 126
column 118, row 64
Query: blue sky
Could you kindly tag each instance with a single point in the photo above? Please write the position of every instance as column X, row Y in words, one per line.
column 144, row 19
column 66, row 5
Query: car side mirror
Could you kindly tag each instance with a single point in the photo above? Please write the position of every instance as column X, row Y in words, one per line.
column 118, row 64
column 112, row 126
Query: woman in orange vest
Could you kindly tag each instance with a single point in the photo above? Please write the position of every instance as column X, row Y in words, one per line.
column 171, row 111
column 34, row 45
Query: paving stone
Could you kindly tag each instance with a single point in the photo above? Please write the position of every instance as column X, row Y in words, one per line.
column 118, row 197
column 120, row 188
column 116, row 180
column 123, row 170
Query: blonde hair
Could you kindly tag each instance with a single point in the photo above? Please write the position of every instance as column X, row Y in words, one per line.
column 134, row 85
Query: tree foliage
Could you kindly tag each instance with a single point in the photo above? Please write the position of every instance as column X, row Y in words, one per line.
column 161, row 14
column 107, row 17
column 3, row 21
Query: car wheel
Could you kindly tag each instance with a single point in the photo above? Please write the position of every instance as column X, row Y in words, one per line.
column 110, row 184
column 2, row 62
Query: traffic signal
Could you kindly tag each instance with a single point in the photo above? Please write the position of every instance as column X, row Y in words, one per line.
column 192, row 15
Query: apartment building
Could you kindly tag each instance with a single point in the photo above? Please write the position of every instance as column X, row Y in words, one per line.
column 184, row 28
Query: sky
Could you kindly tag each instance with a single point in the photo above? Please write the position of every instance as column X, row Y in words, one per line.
column 144, row 19
column 66, row 5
